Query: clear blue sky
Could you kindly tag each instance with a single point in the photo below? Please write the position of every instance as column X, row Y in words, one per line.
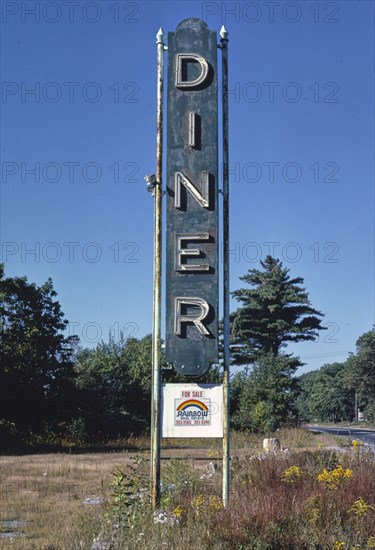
column 301, row 154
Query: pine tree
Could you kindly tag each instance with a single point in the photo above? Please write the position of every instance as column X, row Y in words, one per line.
column 275, row 311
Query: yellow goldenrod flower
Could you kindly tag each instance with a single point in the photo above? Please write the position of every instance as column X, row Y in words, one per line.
column 292, row 474
column 215, row 503
column 201, row 503
column 333, row 478
column 213, row 453
column 178, row 511
column 198, row 504
column 360, row 507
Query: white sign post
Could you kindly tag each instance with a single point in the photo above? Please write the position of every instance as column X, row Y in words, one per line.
column 192, row 410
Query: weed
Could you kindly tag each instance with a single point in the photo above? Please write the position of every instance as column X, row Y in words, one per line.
column 102, row 500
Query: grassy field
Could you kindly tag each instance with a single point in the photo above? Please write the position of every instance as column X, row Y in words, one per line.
column 67, row 501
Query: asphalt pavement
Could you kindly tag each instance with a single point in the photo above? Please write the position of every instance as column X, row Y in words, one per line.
column 366, row 436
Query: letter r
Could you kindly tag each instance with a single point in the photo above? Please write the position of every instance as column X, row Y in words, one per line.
column 195, row 318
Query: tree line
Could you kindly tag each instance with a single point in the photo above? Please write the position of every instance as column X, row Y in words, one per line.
column 339, row 391
column 53, row 389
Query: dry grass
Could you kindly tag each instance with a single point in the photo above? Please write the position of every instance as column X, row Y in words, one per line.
column 305, row 513
column 48, row 492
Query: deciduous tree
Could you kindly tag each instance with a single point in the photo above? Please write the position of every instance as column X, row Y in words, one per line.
column 36, row 357
column 265, row 395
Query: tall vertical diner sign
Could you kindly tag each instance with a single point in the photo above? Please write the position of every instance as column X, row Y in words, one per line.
column 192, row 199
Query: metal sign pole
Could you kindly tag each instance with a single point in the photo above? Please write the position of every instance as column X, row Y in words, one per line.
column 156, row 378
column 226, row 382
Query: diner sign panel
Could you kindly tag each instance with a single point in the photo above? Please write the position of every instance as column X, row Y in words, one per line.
column 192, row 199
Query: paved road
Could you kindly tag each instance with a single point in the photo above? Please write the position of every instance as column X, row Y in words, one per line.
column 367, row 436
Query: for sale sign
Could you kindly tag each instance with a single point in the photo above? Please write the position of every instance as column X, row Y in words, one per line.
column 192, row 410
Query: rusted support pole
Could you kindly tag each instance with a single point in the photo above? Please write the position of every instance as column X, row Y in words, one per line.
column 226, row 381
column 156, row 344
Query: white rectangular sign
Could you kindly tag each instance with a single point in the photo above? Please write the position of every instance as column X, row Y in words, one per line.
column 192, row 410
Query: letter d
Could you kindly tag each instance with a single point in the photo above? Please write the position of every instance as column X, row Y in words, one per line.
column 181, row 65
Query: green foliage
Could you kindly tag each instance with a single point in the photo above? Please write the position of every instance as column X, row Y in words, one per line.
column 76, row 431
column 178, row 475
column 304, row 500
column 360, row 373
column 328, row 394
column 324, row 396
column 8, row 432
column 263, row 397
column 114, row 380
column 128, row 493
column 50, row 390
column 114, row 383
column 36, row 375
column 275, row 311
column 137, row 355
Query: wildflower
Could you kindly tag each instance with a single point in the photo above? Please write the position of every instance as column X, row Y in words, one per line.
column 178, row 511
column 201, row 503
column 161, row 516
column 333, row 478
column 315, row 515
column 339, row 545
column 311, row 508
column 291, row 474
column 198, row 504
column 215, row 503
column 360, row 507
column 356, row 443
column 323, row 475
column 213, row 453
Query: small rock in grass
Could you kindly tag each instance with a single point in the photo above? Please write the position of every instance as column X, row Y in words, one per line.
column 271, row 444
column 93, row 500
column 100, row 546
